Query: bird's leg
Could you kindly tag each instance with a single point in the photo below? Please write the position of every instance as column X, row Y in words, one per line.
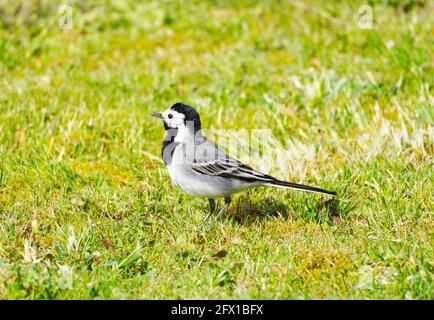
column 227, row 202
column 212, row 207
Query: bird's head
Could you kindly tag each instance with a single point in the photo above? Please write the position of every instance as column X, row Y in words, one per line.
column 179, row 116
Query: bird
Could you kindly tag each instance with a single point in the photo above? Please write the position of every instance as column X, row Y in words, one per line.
column 201, row 169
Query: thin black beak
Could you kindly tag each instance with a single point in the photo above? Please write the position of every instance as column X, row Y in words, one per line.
column 157, row 115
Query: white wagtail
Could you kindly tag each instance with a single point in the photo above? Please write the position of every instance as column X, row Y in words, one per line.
column 201, row 169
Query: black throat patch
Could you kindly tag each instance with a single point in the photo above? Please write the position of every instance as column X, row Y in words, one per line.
column 169, row 145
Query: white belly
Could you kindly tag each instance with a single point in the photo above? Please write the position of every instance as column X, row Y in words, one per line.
column 198, row 185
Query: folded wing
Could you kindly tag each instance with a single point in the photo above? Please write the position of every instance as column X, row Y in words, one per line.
column 230, row 168
column 210, row 160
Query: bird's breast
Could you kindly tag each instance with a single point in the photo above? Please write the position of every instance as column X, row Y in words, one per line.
column 197, row 184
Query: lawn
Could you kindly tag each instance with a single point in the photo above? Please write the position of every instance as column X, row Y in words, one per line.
column 87, row 210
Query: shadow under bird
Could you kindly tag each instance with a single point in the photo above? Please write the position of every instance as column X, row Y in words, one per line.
column 201, row 169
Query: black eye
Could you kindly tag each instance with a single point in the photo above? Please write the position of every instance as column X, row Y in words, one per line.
column 170, row 116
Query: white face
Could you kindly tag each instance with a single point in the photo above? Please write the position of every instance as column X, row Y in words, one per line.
column 173, row 119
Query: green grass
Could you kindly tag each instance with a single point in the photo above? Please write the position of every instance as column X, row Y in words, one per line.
column 86, row 207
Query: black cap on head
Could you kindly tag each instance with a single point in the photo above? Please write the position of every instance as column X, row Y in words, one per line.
column 189, row 113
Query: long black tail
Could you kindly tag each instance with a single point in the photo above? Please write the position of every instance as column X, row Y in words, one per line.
column 290, row 185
